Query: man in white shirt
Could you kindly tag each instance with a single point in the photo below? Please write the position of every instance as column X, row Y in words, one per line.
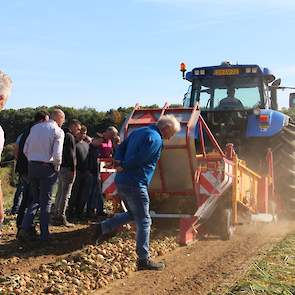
column 43, row 149
column 22, row 201
column 5, row 89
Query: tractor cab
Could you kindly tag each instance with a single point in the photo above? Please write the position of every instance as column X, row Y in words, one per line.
column 228, row 95
column 228, row 87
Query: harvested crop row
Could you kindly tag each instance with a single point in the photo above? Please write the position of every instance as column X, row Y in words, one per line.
column 91, row 268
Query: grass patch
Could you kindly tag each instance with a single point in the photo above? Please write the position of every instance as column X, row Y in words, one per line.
column 274, row 274
column 7, row 188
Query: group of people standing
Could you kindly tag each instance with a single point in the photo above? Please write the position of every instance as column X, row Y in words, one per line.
column 47, row 154
column 79, row 185
column 53, row 153
column 50, row 153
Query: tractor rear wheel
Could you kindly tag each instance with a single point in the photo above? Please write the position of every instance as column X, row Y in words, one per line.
column 284, row 166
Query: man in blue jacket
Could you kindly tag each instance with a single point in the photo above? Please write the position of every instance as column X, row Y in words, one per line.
column 136, row 159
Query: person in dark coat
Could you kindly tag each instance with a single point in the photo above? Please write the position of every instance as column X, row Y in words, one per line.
column 101, row 148
column 81, row 187
column 67, row 174
column 95, row 199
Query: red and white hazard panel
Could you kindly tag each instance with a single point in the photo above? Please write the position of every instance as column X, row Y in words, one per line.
column 216, row 182
column 107, row 176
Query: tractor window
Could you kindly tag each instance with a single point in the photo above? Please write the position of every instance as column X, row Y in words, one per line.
column 249, row 97
column 205, row 98
column 187, row 97
column 246, row 93
column 203, row 94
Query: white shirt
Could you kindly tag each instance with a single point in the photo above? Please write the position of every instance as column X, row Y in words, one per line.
column 2, row 140
column 45, row 143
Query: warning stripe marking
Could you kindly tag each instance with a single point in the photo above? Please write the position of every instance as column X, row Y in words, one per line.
column 108, row 183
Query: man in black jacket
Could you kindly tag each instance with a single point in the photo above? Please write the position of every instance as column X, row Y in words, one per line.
column 81, row 187
column 67, row 174
column 95, row 198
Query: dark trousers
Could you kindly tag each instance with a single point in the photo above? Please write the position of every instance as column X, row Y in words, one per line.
column 66, row 180
column 19, row 193
column 25, row 201
column 95, row 198
column 42, row 177
column 17, row 197
column 80, row 193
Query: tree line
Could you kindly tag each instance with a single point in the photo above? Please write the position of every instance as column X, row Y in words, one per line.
column 14, row 121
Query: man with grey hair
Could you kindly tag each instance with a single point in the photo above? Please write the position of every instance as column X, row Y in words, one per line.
column 136, row 159
column 5, row 89
column 43, row 149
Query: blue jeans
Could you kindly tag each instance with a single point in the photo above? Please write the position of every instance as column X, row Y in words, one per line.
column 25, row 201
column 136, row 200
column 42, row 177
column 21, row 186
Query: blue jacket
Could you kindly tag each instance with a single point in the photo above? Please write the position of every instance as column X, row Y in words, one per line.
column 139, row 154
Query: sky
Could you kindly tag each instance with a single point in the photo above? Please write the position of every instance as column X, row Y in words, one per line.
column 110, row 54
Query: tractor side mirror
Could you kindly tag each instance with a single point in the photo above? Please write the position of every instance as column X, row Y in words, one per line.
column 273, row 97
column 276, row 83
column 291, row 100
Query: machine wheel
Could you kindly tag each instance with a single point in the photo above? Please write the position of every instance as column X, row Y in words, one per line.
column 284, row 166
column 226, row 226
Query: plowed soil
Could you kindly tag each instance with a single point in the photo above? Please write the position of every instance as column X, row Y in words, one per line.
column 205, row 267
column 208, row 266
column 18, row 258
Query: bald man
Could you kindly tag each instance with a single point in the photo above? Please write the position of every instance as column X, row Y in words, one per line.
column 43, row 149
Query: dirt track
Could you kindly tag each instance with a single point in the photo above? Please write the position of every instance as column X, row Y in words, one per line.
column 205, row 267
column 208, row 266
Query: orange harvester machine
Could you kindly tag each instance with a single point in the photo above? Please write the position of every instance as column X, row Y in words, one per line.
column 192, row 164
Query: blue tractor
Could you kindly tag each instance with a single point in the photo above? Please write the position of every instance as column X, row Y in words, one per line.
column 239, row 104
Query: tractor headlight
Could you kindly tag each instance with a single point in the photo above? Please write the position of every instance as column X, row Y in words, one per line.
column 199, row 72
column 256, row 111
column 254, row 70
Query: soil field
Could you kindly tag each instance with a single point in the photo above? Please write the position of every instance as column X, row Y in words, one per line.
column 210, row 266
column 205, row 267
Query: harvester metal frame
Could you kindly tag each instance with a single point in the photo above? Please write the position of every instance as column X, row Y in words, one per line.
column 245, row 188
